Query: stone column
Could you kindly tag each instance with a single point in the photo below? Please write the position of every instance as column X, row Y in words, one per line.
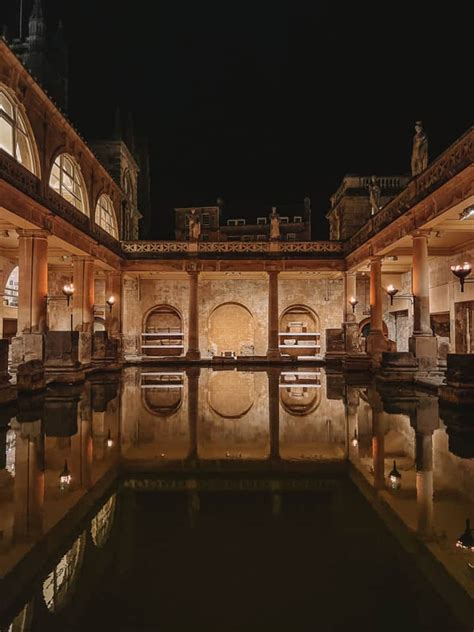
column 352, row 406
column 350, row 289
column 274, row 413
column 83, row 298
column 376, row 342
column 424, row 483
column 273, row 351
column 422, row 344
column 33, row 280
column 193, row 410
column 113, row 287
column 193, row 316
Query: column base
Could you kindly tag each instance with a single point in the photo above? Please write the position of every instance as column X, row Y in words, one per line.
column 376, row 345
column 273, row 354
column 425, row 350
column 193, row 354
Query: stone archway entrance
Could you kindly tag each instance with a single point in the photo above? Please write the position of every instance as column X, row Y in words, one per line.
column 299, row 332
column 163, row 332
column 231, row 331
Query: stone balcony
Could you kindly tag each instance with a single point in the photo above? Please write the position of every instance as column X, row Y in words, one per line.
column 210, row 249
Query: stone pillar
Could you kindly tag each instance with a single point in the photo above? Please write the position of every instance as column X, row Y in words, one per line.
column 350, row 289
column 113, row 319
column 193, row 409
column 422, row 344
column 350, row 326
column 274, row 413
column 352, row 406
column 83, row 298
column 273, row 351
column 33, row 280
column 81, row 444
column 193, row 316
column 376, row 342
column 424, row 483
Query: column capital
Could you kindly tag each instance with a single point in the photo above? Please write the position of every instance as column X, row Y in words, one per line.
column 418, row 233
column 39, row 233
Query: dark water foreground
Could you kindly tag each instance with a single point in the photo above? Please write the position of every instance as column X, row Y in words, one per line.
column 196, row 518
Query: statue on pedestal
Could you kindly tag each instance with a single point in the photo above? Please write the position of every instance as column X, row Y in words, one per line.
column 374, row 195
column 419, row 156
column 194, row 225
column 274, row 225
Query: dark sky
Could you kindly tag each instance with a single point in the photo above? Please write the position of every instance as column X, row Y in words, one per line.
column 265, row 102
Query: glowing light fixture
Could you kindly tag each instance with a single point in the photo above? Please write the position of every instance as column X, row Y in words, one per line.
column 462, row 272
column 353, row 302
column 395, row 478
column 68, row 291
column 110, row 441
column 355, row 440
column 468, row 213
column 391, row 291
column 65, row 477
column 466, row 540
column 110, row 302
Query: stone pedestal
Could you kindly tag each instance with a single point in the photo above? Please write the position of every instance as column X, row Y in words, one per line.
column 425, row 350
column 7, row 390
column 62, row 361
column 104, row 348
column 30, row 377
column 398, row 366
column 459, row 389
column 28, row 346
column 335, row 347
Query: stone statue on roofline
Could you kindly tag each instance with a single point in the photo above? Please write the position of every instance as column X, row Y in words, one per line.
column 374, row 195
column 419, row 156
column 274, row 225
column 194, row 225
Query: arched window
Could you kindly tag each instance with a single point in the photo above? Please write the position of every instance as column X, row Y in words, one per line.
column 15, row 137
column 66, row 179
column 102, row 523
column 59, row 586
column 105, row 215
column 10, row 297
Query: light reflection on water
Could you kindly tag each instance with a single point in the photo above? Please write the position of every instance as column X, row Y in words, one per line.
column 177, row 429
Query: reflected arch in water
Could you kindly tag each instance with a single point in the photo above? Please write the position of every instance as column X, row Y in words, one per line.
column 60, row 584
column 102, row 523
column 299, row 400
column 231, row 329
column 231, row 394
column 22, row 621
column 163, row 332
column 301, row 328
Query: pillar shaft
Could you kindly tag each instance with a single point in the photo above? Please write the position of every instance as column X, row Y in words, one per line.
column 83, row 298
column 33, row 280
column 193, row 408
column 273, row 350
column 376, row 295
column 421, row 285
column 113, row 287
column 193, row 326
column 350, row 290
column 274, row 413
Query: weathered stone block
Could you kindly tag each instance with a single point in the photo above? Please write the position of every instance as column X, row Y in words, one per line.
column 30, row 376
column 425, row 350
column 62, row 350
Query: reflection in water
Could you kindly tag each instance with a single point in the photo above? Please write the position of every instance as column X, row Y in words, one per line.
column 59, row 586
column 197, row 432
column 102, row 523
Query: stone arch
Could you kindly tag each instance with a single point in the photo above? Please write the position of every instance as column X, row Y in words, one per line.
column 163, row 329
column 102, row 523
column 301, row 326
column 231, row 328
column 364, row 327
column 60, row 584
column 300, row 401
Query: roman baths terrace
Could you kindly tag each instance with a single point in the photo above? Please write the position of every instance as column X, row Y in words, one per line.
column 242, row 359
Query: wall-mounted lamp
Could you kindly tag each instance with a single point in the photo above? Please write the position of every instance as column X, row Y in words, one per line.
column 467, row 213
column 353, row 302
column 466, row 540
column 392, row 291
column 110, row 302
column 64, row 477
column 394, row 477
column 68, row 291
column 462, row 272
column 355, row 440
column 110, row 441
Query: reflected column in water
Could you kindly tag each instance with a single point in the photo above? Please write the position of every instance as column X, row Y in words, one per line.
column 378, row 438
column 29, row 478
column 274, row 412
column 193, row 374
column 426, row 422
column 352, row 410
column 81, row 443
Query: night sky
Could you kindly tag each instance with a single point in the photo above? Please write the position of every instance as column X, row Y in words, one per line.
column 262, row 102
